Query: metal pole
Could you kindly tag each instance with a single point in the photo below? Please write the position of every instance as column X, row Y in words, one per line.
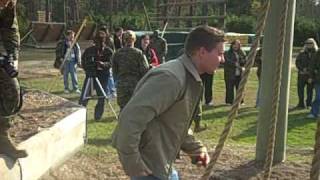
column 269, row 53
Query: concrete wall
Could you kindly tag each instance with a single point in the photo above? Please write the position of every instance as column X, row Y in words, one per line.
column 49, row 147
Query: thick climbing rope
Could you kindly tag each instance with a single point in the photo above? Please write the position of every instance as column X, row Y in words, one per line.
column 276, row 90
column 315, row 167
column 239, row 95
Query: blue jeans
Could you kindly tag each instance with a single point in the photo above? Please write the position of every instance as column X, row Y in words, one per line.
column 70, row 68
column 316, row 103
column 174, row 176
column 111, row 88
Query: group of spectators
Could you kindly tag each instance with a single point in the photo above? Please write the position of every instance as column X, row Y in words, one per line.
column 119, row 65
column 307, row 63
column 124, row 65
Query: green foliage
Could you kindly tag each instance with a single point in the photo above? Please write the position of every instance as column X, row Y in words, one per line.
column 133, row 21
column 239, row 7
column 22, row 19
column 255, row 7
column 305, row 28
column 240, row 24
column 241, row 15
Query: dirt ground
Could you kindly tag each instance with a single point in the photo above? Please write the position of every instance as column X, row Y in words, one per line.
column 234, row 163
column 39, row 111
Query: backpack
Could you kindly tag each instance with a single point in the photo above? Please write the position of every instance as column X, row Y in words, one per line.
column 60, row 50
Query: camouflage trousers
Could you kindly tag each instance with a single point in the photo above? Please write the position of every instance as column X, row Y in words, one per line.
column 9, row 98
column 124, row 94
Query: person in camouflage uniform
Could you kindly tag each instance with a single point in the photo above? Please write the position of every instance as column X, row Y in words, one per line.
column 128, row 65
column 159, row 44
column 101, row 54
column 9, row 89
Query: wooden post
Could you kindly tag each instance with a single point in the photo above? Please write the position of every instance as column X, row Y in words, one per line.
column 47, row 11
column 225, row 15
column 65, row 11
column 178, row 9
column 269, row 56
column 189, row 22
column 205, row 12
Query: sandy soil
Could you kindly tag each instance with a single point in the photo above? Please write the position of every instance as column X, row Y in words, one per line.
column 234, row 163
column 39, row 111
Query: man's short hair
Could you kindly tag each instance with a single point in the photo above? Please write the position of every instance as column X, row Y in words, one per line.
column 129, row 36
column 117, row 29
column 203, row 36
column 101, row 34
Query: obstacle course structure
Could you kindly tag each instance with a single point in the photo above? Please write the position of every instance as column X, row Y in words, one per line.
column 185, row 14
column 45, row 35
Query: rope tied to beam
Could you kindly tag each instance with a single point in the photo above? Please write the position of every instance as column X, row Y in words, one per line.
column 240, row 91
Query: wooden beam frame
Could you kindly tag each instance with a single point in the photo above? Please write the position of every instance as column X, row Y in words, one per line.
column 192, row 3
column 186, row 17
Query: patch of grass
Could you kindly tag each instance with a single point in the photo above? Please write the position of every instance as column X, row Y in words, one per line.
column 300, row 130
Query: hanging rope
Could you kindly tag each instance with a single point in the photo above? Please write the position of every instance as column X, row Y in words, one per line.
column 276, row 92
column 315, row 167
column 235, row 107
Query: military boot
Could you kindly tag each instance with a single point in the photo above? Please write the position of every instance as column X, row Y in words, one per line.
column 7, row 147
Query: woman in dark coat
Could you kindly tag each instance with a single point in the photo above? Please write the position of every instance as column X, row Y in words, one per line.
column 235, row 59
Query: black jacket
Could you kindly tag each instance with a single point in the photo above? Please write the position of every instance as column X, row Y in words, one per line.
column 234, row 62
column 303, row 62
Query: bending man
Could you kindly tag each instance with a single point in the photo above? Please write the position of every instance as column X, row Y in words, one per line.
column 154, row 125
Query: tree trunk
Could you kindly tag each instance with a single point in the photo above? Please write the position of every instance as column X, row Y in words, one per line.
column 191, row 13
column 204, row 12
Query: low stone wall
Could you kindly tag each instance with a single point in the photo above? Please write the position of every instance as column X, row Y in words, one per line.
column 48, row 148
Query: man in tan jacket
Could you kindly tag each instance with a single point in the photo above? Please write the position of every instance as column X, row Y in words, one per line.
column 154, row 125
